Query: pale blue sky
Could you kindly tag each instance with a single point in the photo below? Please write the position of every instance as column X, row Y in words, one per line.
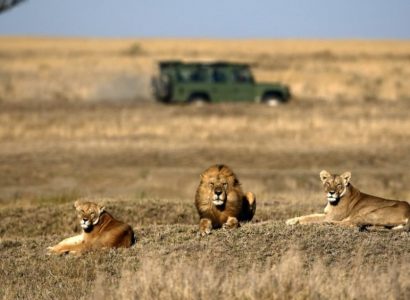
column 370, row 19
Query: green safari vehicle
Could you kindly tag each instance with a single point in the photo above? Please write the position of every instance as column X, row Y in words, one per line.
column 213, row 82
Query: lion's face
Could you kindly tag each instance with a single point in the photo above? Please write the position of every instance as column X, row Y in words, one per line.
column 218, row 180
column 218, row 187
column 335, row 185
column 88, row 213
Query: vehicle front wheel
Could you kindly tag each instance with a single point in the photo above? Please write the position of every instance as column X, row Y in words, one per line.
column 198, row 100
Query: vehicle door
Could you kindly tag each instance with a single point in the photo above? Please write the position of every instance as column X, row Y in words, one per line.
column 192, row 79
column 242, row 84
column 222, row 89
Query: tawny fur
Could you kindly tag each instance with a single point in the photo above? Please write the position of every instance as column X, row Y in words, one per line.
column 106, row 232
column 349, row 207
column 220, row 201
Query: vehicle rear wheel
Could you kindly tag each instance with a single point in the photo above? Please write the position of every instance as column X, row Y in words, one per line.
column 272, row 100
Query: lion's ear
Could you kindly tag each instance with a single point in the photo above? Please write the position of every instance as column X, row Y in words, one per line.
column 346, row 177
column 324, row 175
column 76, row 204
column 203, row 177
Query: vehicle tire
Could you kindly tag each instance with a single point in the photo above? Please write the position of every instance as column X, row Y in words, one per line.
column 272, row 100
column 162, row 88
column 198, row 100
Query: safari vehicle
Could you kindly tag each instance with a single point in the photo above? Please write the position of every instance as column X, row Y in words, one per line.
column 213, row 82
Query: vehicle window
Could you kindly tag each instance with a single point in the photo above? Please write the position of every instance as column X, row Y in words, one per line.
column 218, row 75
column 198, row 74
column 243, row 75
column 183, row 75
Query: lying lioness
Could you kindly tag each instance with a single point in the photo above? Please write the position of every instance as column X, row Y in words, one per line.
column 100, row 230
column 348, row 206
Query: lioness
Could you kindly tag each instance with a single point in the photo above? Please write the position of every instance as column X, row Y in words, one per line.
column 220, row 200
column 100, row 230
column 348, row 206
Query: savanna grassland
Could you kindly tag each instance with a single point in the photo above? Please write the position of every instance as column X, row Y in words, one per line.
column 60, row 141
column 75, row 70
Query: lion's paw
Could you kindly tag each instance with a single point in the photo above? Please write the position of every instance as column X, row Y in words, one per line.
column 204, row 232
column 292, row 221
column 51, row 249
column 205, row 226
column 231, row 223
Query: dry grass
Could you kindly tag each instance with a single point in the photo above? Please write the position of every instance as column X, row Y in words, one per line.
column 94, row 70
column 143, row 161
column 257, row 261
column 287, row 279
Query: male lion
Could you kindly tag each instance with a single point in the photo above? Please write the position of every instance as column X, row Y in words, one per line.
column 220, row 200
column 350, row 207
column 100, row 230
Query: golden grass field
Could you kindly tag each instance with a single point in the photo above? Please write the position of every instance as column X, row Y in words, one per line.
column 60, row 141
column 90, row 69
